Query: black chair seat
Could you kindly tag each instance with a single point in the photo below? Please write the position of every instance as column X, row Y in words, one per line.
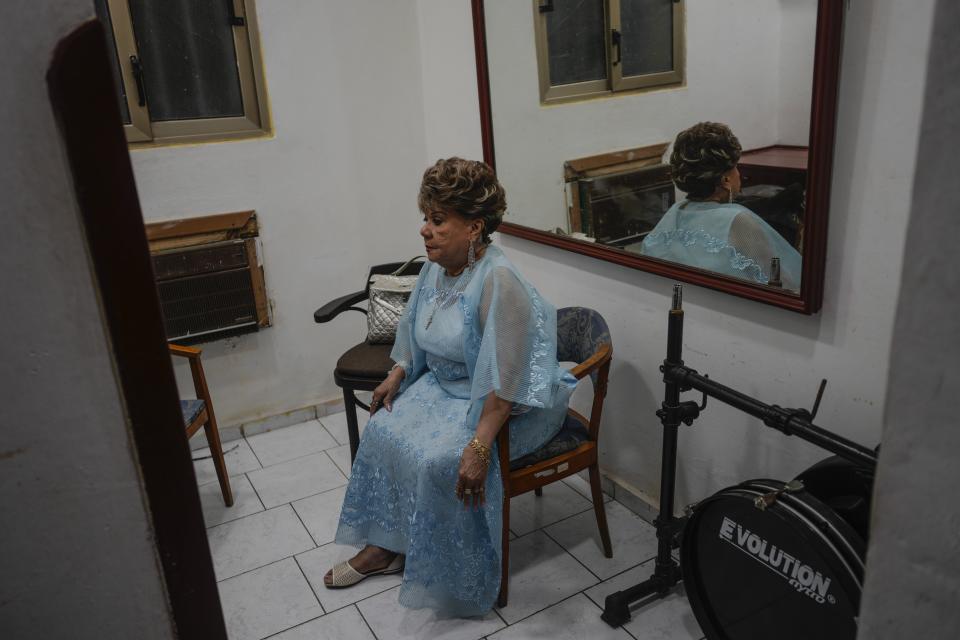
column 364, row 363
column 572, row 434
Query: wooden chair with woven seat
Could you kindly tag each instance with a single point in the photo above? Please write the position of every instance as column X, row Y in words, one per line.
column 363, row 366
column 199, row 413
column 582, row 337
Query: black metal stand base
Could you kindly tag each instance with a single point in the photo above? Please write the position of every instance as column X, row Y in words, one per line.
column 616, row 608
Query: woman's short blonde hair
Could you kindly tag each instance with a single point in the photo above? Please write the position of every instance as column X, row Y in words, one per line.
column 466, row 187
column 700, row 157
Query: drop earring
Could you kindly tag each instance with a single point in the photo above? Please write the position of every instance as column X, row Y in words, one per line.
column 471, row 256
column 729, row 194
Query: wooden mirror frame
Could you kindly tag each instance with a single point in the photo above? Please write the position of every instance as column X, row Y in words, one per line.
column 823, row 112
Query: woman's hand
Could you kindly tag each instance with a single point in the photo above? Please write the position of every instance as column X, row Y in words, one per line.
column 386, row 390
column 472, row 479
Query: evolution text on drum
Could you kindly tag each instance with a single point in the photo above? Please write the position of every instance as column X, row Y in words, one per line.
column 800, row 576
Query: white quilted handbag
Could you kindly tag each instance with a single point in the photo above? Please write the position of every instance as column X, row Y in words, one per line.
column 387, row 300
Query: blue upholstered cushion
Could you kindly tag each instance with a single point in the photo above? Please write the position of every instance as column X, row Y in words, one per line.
column 580, row 333
column 190, row 409
column 572, row 434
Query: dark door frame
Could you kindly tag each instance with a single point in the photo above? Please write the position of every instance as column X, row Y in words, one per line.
column 84, row 102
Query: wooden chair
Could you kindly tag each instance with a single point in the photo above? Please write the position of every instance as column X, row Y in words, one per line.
column 363, row 366
column 582, row 337
column 199, row 413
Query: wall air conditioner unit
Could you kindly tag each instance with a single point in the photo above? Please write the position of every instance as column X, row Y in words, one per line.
column 208, row 276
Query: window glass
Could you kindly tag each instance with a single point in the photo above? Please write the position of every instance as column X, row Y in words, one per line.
column 104, row 14
column 189, row 61
column 647, row 44
column 575, row 40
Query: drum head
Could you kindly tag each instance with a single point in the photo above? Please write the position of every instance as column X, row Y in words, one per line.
column 791, row 572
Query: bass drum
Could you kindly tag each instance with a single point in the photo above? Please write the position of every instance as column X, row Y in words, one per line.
column 792, row 570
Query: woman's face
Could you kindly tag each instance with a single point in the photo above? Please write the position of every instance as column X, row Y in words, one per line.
column 447, row 236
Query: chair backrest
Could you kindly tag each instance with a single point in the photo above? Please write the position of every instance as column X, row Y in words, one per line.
column 580, row 333
column 412, row 269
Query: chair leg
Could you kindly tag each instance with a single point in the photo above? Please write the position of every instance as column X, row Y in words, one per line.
column 505, row 552
column 538, row 492
column 353, row 430
column 216, row 452
column 599, row 509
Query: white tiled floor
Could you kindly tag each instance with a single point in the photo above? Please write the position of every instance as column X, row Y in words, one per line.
column 272, row 547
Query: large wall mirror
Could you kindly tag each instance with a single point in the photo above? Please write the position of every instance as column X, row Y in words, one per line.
column 581, row 100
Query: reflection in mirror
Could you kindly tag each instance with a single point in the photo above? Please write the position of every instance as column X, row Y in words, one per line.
column 590, row 159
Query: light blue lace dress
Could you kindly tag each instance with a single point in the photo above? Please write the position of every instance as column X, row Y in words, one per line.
column 724, row 238
column 498, row 336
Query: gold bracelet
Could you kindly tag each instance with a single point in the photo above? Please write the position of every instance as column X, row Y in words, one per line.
column 483, row 451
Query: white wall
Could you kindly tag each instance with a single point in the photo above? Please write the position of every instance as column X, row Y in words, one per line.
column 335, row 189
column 798, row 29
column 77, row 558
column 776, row 355
column 742, row 55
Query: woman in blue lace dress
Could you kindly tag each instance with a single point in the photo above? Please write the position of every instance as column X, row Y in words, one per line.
column 476, row 345
column 709, row 231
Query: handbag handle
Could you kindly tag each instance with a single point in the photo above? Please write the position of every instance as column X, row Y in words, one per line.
column 406, row 264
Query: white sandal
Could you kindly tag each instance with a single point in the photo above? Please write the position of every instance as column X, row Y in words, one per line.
column 344, row 575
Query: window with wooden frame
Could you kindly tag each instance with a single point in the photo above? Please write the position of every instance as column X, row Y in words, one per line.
column 186, row 71
column 589, row 48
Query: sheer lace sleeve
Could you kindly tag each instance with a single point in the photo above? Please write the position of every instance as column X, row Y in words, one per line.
column 756, row 240
column 517, row 358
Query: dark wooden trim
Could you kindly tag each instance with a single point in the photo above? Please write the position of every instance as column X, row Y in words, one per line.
column 241, row 224
column 84, row 102
column 483, row 81
column 826, row 72
column 648, row 154
column 823, row 119
column 259, row 286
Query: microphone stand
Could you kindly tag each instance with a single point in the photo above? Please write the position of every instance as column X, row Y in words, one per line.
column 678, row 378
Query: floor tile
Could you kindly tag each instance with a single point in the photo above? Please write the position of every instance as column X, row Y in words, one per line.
column 634, row 540
column 317, row 562
column 345, row 624
column 321, row 514
column 237, row 456
column 267, row 600
column 290, row 442
column 256, row 540
column 669, row 618
column 391, row 621
column 541, row 574
column 245, row 501
column 572, row 619
column 296, row 479
column 341, row 458
column 227, row 434
column 336, row 424
column 528, row 512
column 582, row 486
column 278, row 421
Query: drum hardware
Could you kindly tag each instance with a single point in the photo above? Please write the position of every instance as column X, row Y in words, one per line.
column 789, row 498
column 767, row 499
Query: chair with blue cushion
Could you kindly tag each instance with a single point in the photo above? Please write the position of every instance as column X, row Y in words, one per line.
column 582, row 337
column 199, row 413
